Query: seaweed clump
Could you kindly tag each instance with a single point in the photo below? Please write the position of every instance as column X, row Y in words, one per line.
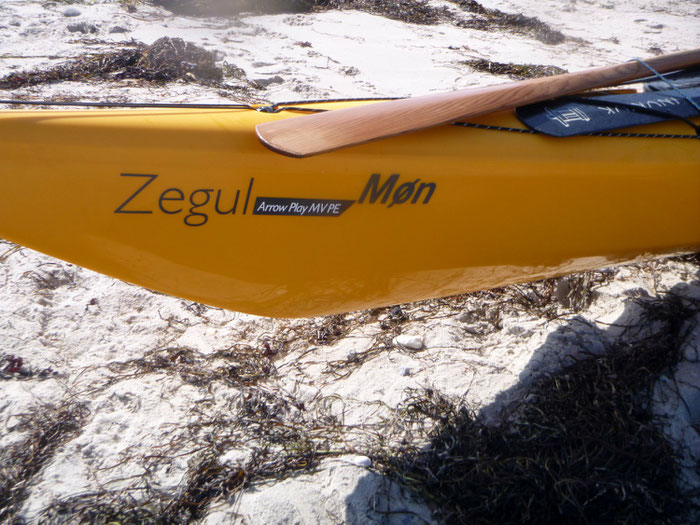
column 21, row 461
column 581, row 447
column 285, row 439
column 234, row 7
column 412, row 11
column 235, row 366
column 515, row 71
column 515, row 22
column 206, row 480
column 166, row 60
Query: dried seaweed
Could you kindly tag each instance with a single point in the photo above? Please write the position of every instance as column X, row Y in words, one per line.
column 16, row 367
column 494, row 19
column 410, row 11
column 582, row 446
column 207, row 479
column 284, row 440
column 166, row 60
column 515, row 71
column 49, row 428
column 234, row 7
column 103, row 508
column 422, row 12
column 238, row 365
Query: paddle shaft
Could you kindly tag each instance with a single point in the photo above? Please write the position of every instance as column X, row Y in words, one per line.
column 332, row 130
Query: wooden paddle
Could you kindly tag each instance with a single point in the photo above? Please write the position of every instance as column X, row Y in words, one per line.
column 332, row 130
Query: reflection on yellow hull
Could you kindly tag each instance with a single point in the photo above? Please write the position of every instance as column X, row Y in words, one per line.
column 189, row 203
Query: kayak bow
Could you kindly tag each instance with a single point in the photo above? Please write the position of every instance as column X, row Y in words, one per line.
column 189, row 203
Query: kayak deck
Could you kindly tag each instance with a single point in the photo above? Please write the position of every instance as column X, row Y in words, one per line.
column 189, row 203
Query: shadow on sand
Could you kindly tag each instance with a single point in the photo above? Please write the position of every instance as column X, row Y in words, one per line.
column 575, row 441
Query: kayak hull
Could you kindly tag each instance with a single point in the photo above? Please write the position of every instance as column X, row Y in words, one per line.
column 189, row 203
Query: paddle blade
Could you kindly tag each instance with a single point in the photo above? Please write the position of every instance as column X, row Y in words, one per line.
column 324, row 132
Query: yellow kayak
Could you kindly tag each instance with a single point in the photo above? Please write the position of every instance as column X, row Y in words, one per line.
column 189, row 203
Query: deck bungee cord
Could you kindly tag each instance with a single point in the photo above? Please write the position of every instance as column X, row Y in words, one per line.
column 103, row 104
column 298, row 106
column 487, row 127
column 264, row 108
column 669, row 82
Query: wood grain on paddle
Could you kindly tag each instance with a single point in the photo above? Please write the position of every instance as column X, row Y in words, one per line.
column 332, row 130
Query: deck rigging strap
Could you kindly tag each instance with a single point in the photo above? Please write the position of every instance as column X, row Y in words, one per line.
column 670, row 83
column 18, row 102
column 278, row 107
column 272, row 108
column 296, row 106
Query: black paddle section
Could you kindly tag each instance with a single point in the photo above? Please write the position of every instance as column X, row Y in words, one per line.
column 569, row 116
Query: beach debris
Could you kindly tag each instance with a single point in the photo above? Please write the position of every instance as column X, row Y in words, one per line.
column 71, row 11
column 234, row 366
column 405, row 371
column 514, row 71
column 13, row 366
column 576, row 292
column 17, row 368
column 430, row 442
column 48, row 429
column 412, row 342
column 332, row 328
column 93, row 306
column 488, row 19
column 234, row 7
column 358, row 461
column 397, row 314
column 82, row 27
column 166, row 60
column 263, row 83
column 410, row 11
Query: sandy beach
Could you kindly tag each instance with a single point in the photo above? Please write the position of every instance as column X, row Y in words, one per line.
column 575, row 399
